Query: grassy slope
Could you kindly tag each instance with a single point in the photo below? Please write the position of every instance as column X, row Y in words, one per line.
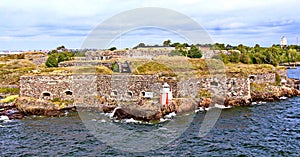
column 11, row 69
column 184, row 67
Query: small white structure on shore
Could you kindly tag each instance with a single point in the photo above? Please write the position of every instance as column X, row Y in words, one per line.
column 165, row 94
column 283, row 42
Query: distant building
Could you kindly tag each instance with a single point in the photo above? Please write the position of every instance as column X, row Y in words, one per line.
column 4, row 53
column 283, row 42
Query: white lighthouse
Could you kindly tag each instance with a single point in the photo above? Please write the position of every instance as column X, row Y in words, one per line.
column 283, row 42
column 165, row 94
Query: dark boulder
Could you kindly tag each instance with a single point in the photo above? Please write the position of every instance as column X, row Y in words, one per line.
column 137, row 114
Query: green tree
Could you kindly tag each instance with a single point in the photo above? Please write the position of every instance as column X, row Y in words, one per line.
column 56, row 58
column 218, row 46
column 257, row 48
column 223, row 57
column 194, row 52
column 167, row 42
column 242, row 48
column 141, row 45
column 64, row 56
column 62, row 47
column 257, row 58
column 245, row 58
column 52, row 61
column 53, row 52
column 175, row 44
column 292, row 53
column 234, row 57
column 112, row 48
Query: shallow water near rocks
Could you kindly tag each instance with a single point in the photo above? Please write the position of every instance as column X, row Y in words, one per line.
column 271, row 129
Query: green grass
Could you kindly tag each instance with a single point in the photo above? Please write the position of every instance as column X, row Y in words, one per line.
column 134, row 62
column 244, row 70
column 13, row 69
column 152, row 68
column 9, row 99
column 74, row 70
column 91, row 70
column 7, row 90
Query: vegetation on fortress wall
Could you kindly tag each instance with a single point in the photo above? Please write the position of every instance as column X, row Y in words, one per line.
column 186, row 67
column 153, row 68
column 55, row 58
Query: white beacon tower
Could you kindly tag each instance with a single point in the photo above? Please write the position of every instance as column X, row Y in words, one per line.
column 165, row 94
column 283, row 42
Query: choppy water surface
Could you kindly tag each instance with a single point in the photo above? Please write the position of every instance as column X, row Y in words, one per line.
column 262, row 130
column 271, row 129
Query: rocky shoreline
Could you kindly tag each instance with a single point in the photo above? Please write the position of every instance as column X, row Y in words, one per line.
column 143, row 110
column 185, row 105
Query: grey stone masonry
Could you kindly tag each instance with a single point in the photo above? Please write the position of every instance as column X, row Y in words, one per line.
column 85, row 89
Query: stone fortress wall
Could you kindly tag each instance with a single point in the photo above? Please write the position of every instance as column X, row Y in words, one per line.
column 131, row 53
column 85, row 89
column 230, row 87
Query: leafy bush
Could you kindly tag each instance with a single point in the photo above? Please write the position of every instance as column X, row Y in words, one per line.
column 55, row 58
column 245, row 59
column 194, row 52
column 234, row 57
column 52, row 61
column 115, row 67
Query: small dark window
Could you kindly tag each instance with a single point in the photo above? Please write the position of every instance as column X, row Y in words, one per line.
column 129, row 94
column 252, row 77
column 46, row 94
column 214, row 83
column 114, row 93
column 143, row 93
column 69, row 92
column 233, row 82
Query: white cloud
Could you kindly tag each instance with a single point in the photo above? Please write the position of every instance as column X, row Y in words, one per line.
column 65, row 20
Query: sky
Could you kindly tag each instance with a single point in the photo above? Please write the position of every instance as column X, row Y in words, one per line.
column 47, row 24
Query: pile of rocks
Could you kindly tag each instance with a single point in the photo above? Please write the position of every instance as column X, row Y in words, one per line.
column 10, row 110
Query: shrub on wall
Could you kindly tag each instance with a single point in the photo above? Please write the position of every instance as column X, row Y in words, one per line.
column 115, row 67
column 55, row 58
column 52, row 61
